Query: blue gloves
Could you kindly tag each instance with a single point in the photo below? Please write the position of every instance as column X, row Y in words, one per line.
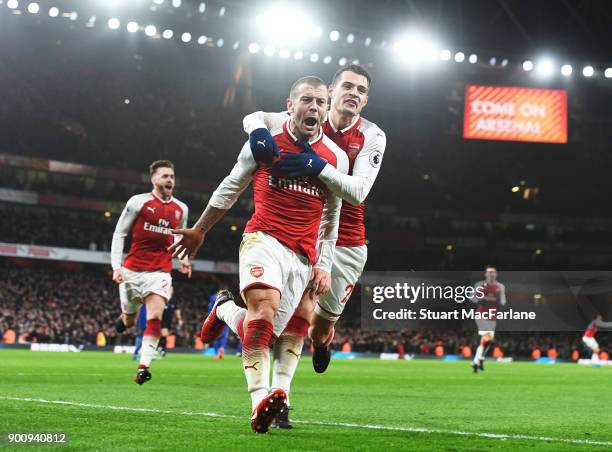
column 263, row 147
column 306, row 163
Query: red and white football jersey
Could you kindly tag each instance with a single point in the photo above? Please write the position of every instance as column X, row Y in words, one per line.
column 149, row 219
column 591, row 330
column 494, row 296
column 364, row 144
column 289, row 210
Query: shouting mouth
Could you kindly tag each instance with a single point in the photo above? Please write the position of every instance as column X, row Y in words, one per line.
column 351, row 102
column 310, row 123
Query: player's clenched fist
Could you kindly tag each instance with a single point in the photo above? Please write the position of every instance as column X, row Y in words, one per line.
column 189, row 244
column 320, row 281
column 118, row 276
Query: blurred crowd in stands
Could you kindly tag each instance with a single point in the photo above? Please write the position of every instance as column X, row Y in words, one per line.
column 78, row 306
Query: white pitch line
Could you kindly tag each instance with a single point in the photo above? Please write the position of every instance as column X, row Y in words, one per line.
column 499, row 436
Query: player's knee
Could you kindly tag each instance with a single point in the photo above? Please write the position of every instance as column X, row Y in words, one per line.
column 305, row 308
column 262, row 303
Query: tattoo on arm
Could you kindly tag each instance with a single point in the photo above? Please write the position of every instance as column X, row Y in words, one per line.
column 209, row 218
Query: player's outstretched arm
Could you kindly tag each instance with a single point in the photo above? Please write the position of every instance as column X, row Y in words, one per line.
column 328, row 235
column 502, row 294
column 223, row 198
column 258, row 126
column 353, row 188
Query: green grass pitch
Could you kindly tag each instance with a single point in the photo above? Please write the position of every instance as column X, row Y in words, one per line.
column 196, row 403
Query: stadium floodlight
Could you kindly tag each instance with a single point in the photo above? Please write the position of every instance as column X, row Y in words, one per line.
column 493, row 61
column 317, row 32
column 588, row 71
column 269, row 50
column 473, row 59
column 566, row 69
column 342, row 61
column 220, row 42
column 367, row 42
column 314, row 57
column 334, row 35
column 53, row 11
column 459, row 57
column 176, row 3
column 236, row 45
column 445, row 55
column 254, row 47
column 298, row 55
column 284, row 26
column 113, row 23
column 350, row 38
column 158, row 2
column 414, row 48
column 327, row 59
column 608, row 72
column 527, row 66
column 545, row 67
column 355, row 61
column 167, row 34
column 515, row 189
column 504, row 62
column 186, row 37
column 33, row 8
column 202, row 40
column 222, row 11
column 284, row 53
column 150, row 30
column 132, row 27
column 202, row 8
column 12, row 4
column 73, row 16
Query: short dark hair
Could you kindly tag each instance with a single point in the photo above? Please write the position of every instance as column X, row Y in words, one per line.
column 311, row 80
column 160, row 164
column 490, row 266
column 356, row 68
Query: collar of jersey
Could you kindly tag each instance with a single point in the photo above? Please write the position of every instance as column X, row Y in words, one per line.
column 294, row 138
column 347, row 128
column 164, row 202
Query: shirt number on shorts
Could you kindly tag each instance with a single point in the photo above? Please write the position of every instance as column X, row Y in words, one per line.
column 348, row 290
column 164, row 285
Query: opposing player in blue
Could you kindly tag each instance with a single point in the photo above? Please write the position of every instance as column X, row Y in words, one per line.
column 220, row 343
column 141, row 325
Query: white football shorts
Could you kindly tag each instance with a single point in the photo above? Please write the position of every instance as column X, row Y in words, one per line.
column 347, row 266
column 265, row 261
column 138, row 285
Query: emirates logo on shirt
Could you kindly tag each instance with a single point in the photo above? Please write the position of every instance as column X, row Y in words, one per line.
column 257, row 271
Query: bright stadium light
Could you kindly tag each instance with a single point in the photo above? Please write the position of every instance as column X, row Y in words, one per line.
column 473, row 59
column 504, row 62
column 445, row 55
column 167, row 34
column 113, row 23
column 588, row 71
column 298, row 55
column 33, row 8
column 342, row 61
column 158, row 2
column 220, row 42
column 350, row 38
column 566, row 69
column 176, row 3
column 314, row 58
column 269, row 50
column 186, row 37
column 334, row 35
column 53, row 12
column 493, row 61
column 545, row 68
column 415, row 48
column 202, row 40
column 459, row 57
column 527, row 66
column 367, row 42
column 355, row 62
column 286, row 26
column 608, row 73
column 284, row 53
column 73, row 16
column 317, row 32
column 327, row 59
column 254, row 47
column 236, row 45
column 132, row 27
column 12, row 4
column 150, row 30
column 202, row 8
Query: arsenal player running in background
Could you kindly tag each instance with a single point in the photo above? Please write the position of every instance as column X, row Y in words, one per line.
column 494, row 294
column 588, row 338
column 280, row 245
column 144, row 277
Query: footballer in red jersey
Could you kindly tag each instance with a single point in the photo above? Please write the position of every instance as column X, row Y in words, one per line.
column 144, row 275
column 493, row 295
column 588, row 338
column 289, row 240
column 364, row 144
